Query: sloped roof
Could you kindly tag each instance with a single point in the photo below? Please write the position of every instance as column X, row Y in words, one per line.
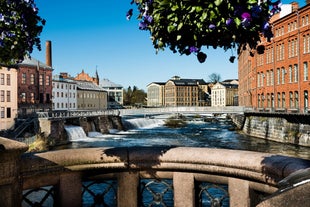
column 188, row 82
column 30, row 61
column 157, row 83
column 228, row 85
column 90, row 86
column 106, row 83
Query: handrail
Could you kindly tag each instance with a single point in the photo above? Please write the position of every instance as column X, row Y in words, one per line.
column 262, row 171
column 63, row 174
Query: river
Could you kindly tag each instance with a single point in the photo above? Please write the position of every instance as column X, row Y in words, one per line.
column 197, row 133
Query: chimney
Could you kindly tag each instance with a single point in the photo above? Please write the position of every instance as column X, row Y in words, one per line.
column 48, row 57
column 295, row 6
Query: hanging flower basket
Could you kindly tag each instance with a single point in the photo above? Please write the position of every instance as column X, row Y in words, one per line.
column 186, row 26
column 20, row 27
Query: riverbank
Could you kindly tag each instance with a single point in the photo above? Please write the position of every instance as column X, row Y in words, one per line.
column 277, row 129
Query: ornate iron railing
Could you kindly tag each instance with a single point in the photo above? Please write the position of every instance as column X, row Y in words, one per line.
column 182, row 176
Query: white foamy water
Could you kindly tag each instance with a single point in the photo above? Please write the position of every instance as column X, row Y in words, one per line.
column 75, row 133
column 143, row 123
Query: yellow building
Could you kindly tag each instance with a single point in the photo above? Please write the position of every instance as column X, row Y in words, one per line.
column 90, row 96
column 8, row 97
column 224, row 94
column 186, row 92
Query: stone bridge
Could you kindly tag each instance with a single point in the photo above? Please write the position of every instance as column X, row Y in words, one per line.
column 66, row 177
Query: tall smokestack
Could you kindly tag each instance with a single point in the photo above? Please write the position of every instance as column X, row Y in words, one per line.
column 48, row 57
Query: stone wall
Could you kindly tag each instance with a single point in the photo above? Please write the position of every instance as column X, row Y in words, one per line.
column 54, row 129
column 275, row 129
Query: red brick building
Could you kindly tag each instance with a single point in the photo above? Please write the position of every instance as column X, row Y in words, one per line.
column 35, row 84
column 278, row 79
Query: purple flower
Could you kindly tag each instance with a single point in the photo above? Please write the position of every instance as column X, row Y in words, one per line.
column 246, row 19
column 129, row 14
column 212, row 26
column 266, row 26
column 143, row 25
column 229, row 22
column 148, row 18
column 193, row 49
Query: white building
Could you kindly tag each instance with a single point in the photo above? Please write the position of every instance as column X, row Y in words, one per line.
column 8, row 97
column 64, row 94
column 115, row 93
column 223, row 94
column 156, row 94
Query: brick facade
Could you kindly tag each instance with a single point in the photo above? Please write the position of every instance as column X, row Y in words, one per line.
column 279, row 79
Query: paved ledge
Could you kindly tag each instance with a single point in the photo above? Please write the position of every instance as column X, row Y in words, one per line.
column 261, row 167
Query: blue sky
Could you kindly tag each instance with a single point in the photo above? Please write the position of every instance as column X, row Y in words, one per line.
column 90, row 35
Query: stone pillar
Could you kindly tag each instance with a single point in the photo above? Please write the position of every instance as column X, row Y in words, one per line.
column 10, row 183
column 184, row 189
column 239, row 192
column 70, row 190
column 128, row 184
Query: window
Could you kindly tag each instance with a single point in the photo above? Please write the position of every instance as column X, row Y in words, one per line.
column 291, row 99
column 306, row 72
column 2, row 78
column 32, row 79
column 32, row 97
column 283, row 99
column 24, row 78
column 8, row 112
column 271, row 77
column 8, row 96
column 2, row 113
column 306, row 104
column 295, row 73
column 41, row 80
column 2, row 95
column 306, row 43
column 279, row 100
column 8, row 79
column 290, row 72
column 283, row 75
column 23, row 97
column 278, row 76
column 296, row 99
column 47, row 80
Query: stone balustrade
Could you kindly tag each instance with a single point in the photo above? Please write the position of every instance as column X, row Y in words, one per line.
column 250, row 176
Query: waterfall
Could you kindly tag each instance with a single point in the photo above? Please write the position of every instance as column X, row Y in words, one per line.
column 75, row 132
column 142, row 123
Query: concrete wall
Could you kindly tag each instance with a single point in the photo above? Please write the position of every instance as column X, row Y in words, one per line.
column 54, row 129
column 275, row 129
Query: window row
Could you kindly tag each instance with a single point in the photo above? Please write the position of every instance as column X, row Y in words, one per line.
column 64, row 86
column 5, row 113
column 291, row 26
column 32, row 78
column 5, row 79
column 64, row 105
column 5, row 96
column 63, row 95
column 280, row 101
column 281, row 73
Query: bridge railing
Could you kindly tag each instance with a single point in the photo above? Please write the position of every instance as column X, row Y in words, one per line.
column 125, row 176
column 70, row 114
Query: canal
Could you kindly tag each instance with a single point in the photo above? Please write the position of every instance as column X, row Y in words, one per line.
column 217, row 133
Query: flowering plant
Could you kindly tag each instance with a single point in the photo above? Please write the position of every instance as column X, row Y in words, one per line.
column 20, row 27
column 185, row 26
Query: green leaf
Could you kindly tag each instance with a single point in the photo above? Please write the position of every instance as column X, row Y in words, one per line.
column 171, row 28
column 218, row 2
column 180, row 26
column 179, row 37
